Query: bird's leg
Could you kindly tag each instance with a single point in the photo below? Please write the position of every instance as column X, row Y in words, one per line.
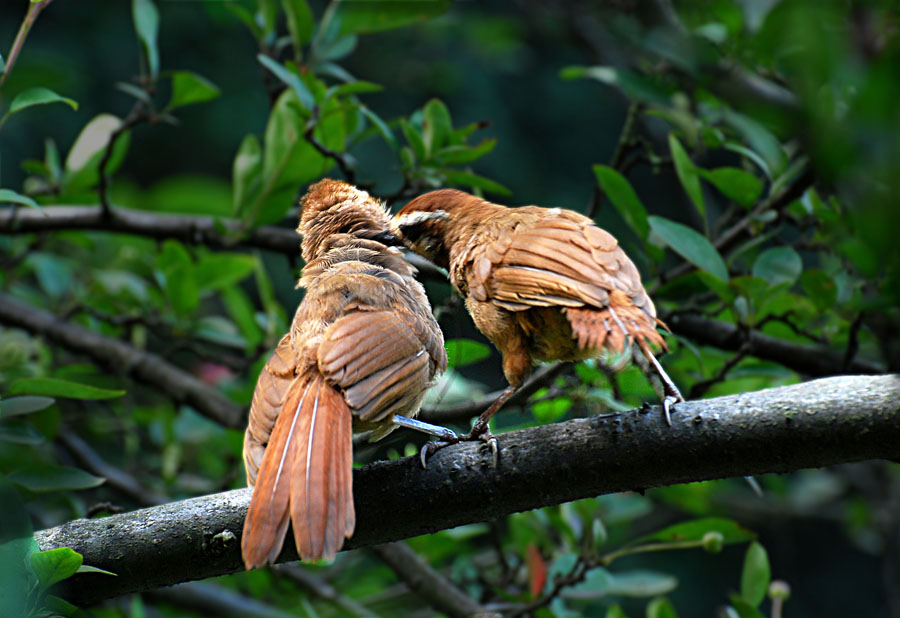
column 665, row 388
column 480, row 431
column 447, row 436
column 481, row 427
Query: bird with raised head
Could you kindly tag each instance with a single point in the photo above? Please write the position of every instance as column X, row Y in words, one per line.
column 362, row 350
column 542, row 284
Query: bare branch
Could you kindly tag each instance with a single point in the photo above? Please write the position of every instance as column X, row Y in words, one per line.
column 436, row 589
column 149, row 368
column 818, row 423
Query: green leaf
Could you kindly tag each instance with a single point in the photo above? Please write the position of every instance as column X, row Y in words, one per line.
column 622, row 195
column 61, row 607
column 8, row 195
column 661, row 608
column 687, row 174
column 696, row 529
column 243, row 314
column 468, row 179
column 54, row 387
column 778, row 265
column 146, row 24
column 641, row 583
column 413, row 138
column 219, row 270
column 551, row 410
column 735, row 184
column 299, row 22
column 437, row 126
column 461, row 154
column 743, row 608
column 760, row 141
column 19, row 432
column 461, row 352
column 615, row 611
column 83, row 160
column 635, row 86
column 290, row 79
column 756, row 575
column 245, row 173
column 85, row 568
column 41, row 478
column 381, row 125
column 189, row 88
column 374, row 15
column 14, row 406
column 55, row 565
column 358, row 87
column 38, row 96
column 819, row 287
column 53, row 273
column 691, row 245
column 180, row 281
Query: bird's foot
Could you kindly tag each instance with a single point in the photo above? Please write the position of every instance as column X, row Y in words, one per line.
column 479, row 432
column 667, row 403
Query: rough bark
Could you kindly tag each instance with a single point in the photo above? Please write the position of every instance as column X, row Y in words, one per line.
column 817, row 423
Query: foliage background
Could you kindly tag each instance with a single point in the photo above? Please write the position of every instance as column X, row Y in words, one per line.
column 520, row 69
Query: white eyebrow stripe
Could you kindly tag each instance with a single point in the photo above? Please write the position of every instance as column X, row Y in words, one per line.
column 421, row 216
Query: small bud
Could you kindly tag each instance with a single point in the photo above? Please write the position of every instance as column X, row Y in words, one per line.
column 779, row 589
column 713, row 542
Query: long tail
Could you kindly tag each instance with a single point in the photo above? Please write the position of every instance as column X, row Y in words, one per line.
column 306, row 477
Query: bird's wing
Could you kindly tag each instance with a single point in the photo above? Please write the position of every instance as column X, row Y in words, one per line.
column 554, row 261
column 382, row 359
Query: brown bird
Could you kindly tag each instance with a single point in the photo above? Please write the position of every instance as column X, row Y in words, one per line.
column 542, row 284
column 362, row 350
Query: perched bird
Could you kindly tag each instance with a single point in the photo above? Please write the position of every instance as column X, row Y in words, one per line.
column 542, row 284
column 362, row 350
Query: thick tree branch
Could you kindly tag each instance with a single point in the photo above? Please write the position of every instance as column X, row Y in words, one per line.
column 811, row 360
column 213, row 232
column 818, row 423
column 149, row 368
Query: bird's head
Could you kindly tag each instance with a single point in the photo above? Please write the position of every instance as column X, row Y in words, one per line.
column 335, row 207
column 432, row 223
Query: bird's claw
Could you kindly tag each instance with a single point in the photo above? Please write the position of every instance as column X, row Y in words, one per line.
column 494, row 446
column 667, row 403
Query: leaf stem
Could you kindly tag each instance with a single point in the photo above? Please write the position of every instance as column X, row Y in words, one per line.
column 34, row 9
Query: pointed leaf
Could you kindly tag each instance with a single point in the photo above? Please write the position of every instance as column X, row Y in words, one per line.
column 696, row 529
column 8, row 195
column 219, row 270
column 146, row 24
column 735, row 184
column 661, row 608
column 374, row 15
column 290, row 79
column 43, row 478
column 38, row 96
column 691, row 245
column 622, row 195
column 687, row 174
column 54, row 387
column 15, row 406
column 437, row 125
column 83, row 161
column 299, row 21
column 245, row 173
column 189, row 88
column 381, row 125
column 756, row 575
column 468, row 179
column 760, row 141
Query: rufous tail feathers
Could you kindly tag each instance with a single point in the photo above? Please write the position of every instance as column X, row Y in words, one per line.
column 306, row 477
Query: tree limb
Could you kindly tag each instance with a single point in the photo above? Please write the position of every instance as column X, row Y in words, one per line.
column 817, row 423
column 811, row 360
column 149, row 368
column 423, row 580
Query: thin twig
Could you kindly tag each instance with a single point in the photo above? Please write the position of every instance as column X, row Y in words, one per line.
column 623, row 146
column 785, row 318
column 340, row 158
column 853, row 340
column 34, row 9
column 134, row 117
column 698, row 389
